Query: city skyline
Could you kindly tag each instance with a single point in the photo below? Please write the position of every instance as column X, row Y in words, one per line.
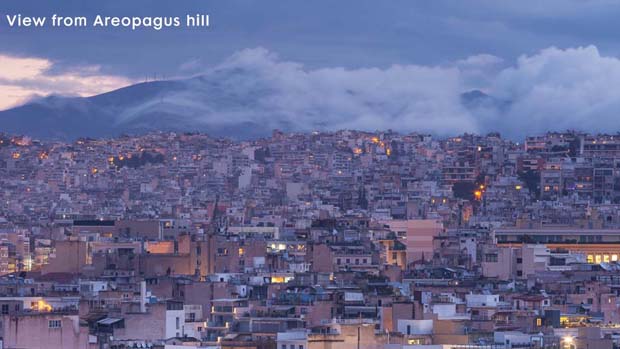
column 463, row 240
column 284, row 174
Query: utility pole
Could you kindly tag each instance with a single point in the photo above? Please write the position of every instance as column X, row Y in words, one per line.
column 359, row 329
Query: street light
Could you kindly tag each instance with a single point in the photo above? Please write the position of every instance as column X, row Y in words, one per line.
column 567, row 342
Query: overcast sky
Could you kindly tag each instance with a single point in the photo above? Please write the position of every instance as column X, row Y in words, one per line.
column 520, row 51
column 327, row 33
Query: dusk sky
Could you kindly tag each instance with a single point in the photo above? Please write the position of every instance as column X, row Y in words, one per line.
column 321, row 33
column 532, row 54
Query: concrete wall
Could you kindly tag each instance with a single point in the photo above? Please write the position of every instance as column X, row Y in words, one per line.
column 34, row 331
column 70, row 257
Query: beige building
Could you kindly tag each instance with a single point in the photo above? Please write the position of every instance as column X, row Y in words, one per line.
column 418, row 234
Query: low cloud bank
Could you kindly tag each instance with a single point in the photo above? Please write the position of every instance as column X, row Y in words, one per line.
column 554, row 89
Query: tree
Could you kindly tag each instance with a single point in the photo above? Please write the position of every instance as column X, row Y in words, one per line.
column 532, row 181
column 464, row 190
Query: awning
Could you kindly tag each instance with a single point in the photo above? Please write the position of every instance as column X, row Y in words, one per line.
column 109, row 321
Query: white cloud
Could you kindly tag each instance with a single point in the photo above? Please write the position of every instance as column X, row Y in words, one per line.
column 477, row 71
column 15, row 69
column 553, row 89
column 255, row 86
column 560, row 89
column 22, row 78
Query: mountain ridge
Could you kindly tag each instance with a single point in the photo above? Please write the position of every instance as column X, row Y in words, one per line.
column 189, row 105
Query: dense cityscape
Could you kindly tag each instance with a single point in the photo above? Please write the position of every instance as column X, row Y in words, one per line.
column 343, row 239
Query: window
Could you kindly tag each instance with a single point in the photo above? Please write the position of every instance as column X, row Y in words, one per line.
column 301, row 346
column 178, row 323
column 5, row 308
column 519, row 260
column 54, row 324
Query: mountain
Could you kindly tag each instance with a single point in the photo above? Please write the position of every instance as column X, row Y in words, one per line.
column 149, row 106
column 230, row 102
column 477, row 100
